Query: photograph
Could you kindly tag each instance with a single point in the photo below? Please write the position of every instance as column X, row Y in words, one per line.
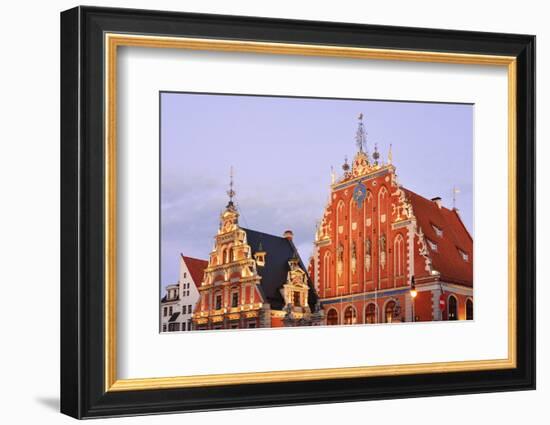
column 285, row 210
column 279, row 211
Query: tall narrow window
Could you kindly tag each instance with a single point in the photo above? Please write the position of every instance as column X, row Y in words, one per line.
column 234, row 299
column 390, row 312
column 469, row 309
column 370, row 313
column 296, row 298
column 227, row 251
column 218, row 302
column 326, row 270
column 398, row 256
column 453, row 309
column 332, row 317
column 350, row 316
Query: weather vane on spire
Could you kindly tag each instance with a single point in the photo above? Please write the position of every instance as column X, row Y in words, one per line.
column 231, row 193
column 361, row 135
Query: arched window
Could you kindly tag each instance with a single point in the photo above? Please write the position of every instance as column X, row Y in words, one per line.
column 469, row 309
column 370, row 314
column 398, row 256
column 382, row 193
column 229, row 254
column 326, row 270
column 389, row 313
column 350, row 316
column 332, row 317
column 453, row 308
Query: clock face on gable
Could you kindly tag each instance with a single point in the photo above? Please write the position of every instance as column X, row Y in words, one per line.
column 359, row 194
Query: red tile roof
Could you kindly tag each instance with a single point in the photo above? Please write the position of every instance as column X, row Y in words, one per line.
column 446, row 258
column 196, row 268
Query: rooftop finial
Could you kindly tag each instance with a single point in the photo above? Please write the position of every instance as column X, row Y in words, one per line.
column 231, row 193
column 361, row 135
column 376, row 155
column 456, row 190
column 345, row 167
column 390, row 156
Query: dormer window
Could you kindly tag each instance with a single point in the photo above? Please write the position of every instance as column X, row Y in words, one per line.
column 438, row 231
column 464, row 255
column 260, row 258
column 433, row 245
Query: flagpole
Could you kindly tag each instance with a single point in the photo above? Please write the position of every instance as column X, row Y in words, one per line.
column 455, row 191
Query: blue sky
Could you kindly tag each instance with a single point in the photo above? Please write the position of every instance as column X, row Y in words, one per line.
column 282, row 150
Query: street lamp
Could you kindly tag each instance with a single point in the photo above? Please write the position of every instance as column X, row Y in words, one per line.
column 414, row 293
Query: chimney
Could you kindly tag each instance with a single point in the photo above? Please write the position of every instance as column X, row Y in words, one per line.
column 288, row 235
column 437, row 200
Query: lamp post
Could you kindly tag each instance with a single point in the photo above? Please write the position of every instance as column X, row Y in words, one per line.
column 414, row 293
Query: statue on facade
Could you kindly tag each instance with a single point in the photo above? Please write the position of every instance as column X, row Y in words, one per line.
column 383, row 250
column 368, row 254
column 340, row 260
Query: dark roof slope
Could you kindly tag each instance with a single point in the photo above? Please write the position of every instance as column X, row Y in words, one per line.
column 279, row 251
column 196, row 268
column 447, row 259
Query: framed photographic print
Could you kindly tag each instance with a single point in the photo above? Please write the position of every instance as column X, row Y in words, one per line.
column 261, row 212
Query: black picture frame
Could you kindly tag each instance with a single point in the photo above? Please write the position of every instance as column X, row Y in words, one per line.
column 83, row 392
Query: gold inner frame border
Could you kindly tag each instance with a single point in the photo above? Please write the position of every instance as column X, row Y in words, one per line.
column 113, row 40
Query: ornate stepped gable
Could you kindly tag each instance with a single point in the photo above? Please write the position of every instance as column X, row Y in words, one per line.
column 253, row 279
column 376, row 236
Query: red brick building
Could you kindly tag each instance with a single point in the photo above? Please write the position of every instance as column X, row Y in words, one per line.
column 383, row 253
